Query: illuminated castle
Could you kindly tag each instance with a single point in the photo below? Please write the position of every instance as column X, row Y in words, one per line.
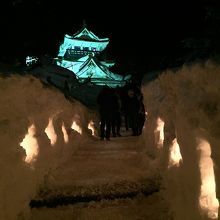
column 78, row 53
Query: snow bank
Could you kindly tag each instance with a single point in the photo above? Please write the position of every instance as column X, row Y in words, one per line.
column 182, row 134
column 38, row 131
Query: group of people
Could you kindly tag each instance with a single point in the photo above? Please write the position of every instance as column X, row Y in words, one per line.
column 117, row 104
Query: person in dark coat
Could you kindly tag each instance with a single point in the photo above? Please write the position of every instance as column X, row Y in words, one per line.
column 105, row 101
column 133, row 107
column 116, row 114
column 141, row 113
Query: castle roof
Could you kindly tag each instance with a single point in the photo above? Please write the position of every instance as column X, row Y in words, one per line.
column 85, row 34
column 95, row 69
column 88, row 67
column 83, row 39
column 78, row 54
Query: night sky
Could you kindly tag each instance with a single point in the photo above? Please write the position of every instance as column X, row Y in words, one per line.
column 142, row 33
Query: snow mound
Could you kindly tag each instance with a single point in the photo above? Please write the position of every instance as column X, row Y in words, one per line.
column 36, row 122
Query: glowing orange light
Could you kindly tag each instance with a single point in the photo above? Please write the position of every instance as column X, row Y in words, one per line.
column 91, row 127
column 175, row 156
column 51, row 134
column 76, row 127
column 30, row 145
column 207, row 200
column 159, row 132
column 65, row 135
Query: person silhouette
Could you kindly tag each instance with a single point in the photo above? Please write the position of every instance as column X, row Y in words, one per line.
column 105, row 101
column 116, row 114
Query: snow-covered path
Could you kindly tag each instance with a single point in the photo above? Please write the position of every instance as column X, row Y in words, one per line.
column 111, row 176
column 102, row 162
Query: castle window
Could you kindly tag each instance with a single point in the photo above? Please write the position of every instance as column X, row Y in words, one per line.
column 77, row 48
column 85, row 48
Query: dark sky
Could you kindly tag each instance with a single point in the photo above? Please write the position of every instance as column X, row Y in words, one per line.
column 141, row 33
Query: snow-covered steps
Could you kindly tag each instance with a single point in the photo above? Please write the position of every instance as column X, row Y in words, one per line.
column 97, row 171
column 95, row 193
column 152, row 207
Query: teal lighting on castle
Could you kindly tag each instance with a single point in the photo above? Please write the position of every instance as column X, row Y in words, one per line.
column 79, row 54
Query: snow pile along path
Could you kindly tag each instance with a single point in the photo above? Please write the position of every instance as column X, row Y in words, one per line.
column 49, row 157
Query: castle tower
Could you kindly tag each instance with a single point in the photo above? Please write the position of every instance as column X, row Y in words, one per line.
column 79, row 52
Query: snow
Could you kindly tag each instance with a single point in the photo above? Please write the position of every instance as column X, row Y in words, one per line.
column 188, row 102
column 171, row 171
column 26, row 102
column 138, row 208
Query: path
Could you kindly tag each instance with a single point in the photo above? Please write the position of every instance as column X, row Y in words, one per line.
column 102, row 177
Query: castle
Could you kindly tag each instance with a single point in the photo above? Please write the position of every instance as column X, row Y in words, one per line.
column 79, row 53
